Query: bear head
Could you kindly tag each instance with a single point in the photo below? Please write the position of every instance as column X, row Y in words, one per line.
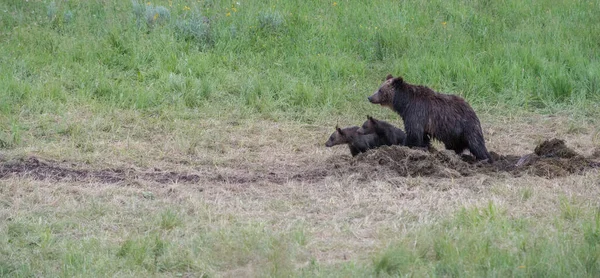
column 368, row 126
column 384, row 96
column 340, row 136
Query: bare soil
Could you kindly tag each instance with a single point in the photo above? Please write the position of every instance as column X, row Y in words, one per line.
column 550, row 159
column 35, row 168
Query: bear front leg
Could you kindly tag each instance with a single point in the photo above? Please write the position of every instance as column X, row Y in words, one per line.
column 414, row 138
column 415, row 131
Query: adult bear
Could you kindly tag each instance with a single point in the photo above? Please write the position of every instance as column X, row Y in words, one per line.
column 447, row 118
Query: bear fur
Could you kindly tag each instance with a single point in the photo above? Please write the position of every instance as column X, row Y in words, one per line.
column 388, row 134
column 357, row 143
column 428, row 114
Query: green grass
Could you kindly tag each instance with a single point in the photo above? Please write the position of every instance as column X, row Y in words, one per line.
column 91, row 236
column 288, row 59
column 486, row 242
column 132, row 235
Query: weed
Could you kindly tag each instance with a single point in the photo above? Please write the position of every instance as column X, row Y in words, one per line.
column 169, row 220
column 150, row 14
column 195, row 27
column 526, row 193
column 270, row 22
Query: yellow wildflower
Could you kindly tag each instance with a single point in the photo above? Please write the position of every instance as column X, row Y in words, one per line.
column 521, row 266
column 148, row 3
column 228, row 14
column 186, row 8
column 334, row 4
column 155, row 16
column 234, row 10
column 444, row 23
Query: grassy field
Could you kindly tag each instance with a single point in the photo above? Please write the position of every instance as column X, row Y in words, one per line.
column 182, row 138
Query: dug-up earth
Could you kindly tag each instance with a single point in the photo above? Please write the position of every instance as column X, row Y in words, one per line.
column 280, row 174
column 550, row 159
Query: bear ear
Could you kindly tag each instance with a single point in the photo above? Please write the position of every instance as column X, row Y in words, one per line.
column 339, row 130
column 389, row 76
column 371, row 119
column 397, row 82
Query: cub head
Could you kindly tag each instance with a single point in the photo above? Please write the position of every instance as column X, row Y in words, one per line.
column 338, row 137
column 384, row 96
column 368, row 126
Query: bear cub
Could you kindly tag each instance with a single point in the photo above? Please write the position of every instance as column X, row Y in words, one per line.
column 388, row 134
column 426, row 113
column 357, row 143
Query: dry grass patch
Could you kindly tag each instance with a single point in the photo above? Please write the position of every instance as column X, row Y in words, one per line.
column 266, row 199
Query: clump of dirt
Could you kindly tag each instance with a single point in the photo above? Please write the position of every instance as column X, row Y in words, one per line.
column 551, row 159
column 555, row 148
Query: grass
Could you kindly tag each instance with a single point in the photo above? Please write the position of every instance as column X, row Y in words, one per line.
column 243, row 86
column 486, row 242
column 107, row 237
column 79, row 230
column 272, row 56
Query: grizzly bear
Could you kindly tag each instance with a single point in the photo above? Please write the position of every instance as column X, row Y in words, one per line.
column 388, row 134
column 357, row 143
column 426, row 113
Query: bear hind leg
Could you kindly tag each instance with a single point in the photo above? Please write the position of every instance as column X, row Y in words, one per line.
column 478, row 149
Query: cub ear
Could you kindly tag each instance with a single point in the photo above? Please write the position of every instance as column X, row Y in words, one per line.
column 371, row 119
column 389, row 76
column 339, row 130
column 397, row 82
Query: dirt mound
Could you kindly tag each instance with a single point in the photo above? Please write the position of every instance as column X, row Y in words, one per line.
column 389, row 161
column 551, row 159
column 555, row 148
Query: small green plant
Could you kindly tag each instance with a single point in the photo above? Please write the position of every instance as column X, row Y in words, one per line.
column 157, row 251
column 270, row 21
column 56, row 17
column 158, row 15
column 169, row 220
column 194, row 27
column 526, row 193
column 150, row 14
column 568, row 208
column 12, row 138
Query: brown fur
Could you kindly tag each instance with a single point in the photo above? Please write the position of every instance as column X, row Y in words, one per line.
column 447, row 118
column 357, row 143
column 388, row 134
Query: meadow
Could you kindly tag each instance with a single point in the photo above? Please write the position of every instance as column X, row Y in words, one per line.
column 180, row 138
